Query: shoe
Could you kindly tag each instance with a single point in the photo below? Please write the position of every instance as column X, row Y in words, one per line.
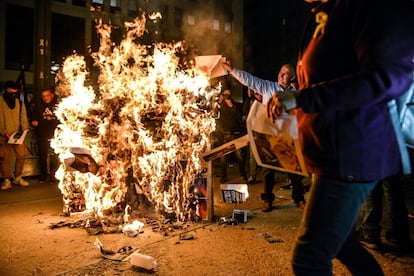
column 20, row 181
column 243, row 178
column 370, row 241
column 6, row 184
column 223, row 179
column 287, row 187
column 266, row 206
column 300, row 204
column 251, row 180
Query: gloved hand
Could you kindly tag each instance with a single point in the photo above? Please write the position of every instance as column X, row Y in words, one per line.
column 280, row 103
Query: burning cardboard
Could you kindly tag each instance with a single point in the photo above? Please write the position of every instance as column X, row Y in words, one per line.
column 144, row 122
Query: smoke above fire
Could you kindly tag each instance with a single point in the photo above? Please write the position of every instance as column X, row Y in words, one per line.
column 139, row 132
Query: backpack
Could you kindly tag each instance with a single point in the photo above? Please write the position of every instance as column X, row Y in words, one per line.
column 402, row 116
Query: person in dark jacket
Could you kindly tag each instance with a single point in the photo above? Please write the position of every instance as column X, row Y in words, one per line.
column 229, row 127
column 356, row 56
column 45, row 122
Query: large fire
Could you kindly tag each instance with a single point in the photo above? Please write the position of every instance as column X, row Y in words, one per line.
column 142, row 130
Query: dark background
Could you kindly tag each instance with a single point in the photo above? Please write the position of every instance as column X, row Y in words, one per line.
column 272, row 32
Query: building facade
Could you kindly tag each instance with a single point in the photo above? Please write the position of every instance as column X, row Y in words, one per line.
column 36, row 35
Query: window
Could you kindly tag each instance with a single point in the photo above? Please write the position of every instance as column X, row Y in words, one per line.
column 132, row 8
column 178, row 17
column 190, row 20
column 227, row 28
column 216, row 24
column 68, row 36
column 19, row 38
column 115, row 6
column 80, row 3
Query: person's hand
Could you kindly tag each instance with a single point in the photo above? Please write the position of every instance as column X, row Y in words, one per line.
column 280, row 103
column 274, row 108
column 35, row 123
column 227, row 65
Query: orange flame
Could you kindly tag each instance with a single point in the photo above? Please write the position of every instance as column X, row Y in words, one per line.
column 144, row 126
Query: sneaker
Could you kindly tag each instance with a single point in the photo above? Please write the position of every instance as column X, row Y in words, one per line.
column 300, row 204
column 370, row 241
column 6, row 184
column 20, row 181
column 266, row 206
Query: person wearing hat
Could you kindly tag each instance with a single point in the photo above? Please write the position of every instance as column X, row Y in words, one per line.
column 13, row 117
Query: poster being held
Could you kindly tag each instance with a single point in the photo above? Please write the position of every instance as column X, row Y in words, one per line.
column 275, row 145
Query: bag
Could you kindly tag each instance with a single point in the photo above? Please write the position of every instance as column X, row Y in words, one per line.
column 402, row 115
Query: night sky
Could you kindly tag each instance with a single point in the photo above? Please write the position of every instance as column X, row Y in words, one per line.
column 272, row 34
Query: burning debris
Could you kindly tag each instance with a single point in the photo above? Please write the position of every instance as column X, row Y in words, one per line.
column 134, row 140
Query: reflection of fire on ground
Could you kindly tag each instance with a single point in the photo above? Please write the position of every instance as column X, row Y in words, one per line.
column 145, row 127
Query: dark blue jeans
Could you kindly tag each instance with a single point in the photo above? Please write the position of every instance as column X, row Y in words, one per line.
column 327, row 229
column 390, row 189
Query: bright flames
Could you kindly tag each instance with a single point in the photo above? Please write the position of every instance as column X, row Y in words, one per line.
column 145, row 126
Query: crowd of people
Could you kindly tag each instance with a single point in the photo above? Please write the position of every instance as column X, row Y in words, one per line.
column 15, row 120
column 347, row 72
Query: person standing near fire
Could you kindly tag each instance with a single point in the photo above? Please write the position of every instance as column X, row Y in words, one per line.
column 229, row 127
column 13, row 118
column 267, row 88
column 251, row 98
column 351, row 65
column 44, row 120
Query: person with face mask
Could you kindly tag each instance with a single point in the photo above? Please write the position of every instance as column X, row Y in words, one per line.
column 13, row 117
column 355, row 57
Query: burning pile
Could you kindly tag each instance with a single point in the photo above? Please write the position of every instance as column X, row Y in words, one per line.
column 136, row 140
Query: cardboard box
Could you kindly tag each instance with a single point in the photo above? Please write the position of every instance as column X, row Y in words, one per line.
column 239, row 215
column 234, row 193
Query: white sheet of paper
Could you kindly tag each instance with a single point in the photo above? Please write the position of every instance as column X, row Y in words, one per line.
column 20, row 140
column 210, row 64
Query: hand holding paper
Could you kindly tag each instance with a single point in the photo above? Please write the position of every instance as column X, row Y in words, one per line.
column 211, row 65
column 18, row 137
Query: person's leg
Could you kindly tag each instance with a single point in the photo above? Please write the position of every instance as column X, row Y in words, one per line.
column 240, row 162
column 252, row 168
column 267, row 196
column 54, row 164
column 43, row 147
column 399, row 234
column 298, row 191
column 5, row 151
column 357, row 259
column 332, row 209
column 371, row 212
column 223, row 166
column 20, row 152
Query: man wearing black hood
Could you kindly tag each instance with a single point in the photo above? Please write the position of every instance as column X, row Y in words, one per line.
column 13, row 117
